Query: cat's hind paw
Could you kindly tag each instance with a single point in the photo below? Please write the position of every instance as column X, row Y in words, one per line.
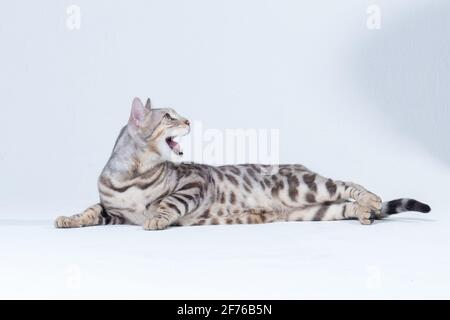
column 365, row 215
column 370, row 200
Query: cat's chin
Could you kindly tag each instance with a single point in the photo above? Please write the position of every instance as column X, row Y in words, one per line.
column 167, row 154
column 172, row 156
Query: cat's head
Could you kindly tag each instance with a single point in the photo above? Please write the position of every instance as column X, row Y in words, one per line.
column 157, row 129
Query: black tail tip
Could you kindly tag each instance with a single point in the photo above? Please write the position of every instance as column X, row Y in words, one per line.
column 414, row 205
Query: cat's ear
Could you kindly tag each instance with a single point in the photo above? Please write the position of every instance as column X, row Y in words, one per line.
column 148, row 104
column 137, row 113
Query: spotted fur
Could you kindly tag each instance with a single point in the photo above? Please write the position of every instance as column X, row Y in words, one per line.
column 140, row 185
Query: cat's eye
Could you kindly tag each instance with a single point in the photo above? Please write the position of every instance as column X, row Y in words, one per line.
column 168, row 117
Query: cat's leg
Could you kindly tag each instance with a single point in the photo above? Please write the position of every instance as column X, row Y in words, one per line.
column 92, row 216
column 319, row 212
column 328, row 190
column 335, row 211
column 353, row 191
column 294, row 187
column 248, row 216
column 166, row 212
column 324, row 190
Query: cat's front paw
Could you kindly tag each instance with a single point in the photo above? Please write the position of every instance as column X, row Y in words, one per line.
column 156, row 224
column 65, row 222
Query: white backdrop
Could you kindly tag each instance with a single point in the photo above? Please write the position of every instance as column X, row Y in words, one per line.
column 350, row 102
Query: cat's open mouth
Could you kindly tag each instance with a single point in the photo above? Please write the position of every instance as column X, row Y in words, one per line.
column 175, row 146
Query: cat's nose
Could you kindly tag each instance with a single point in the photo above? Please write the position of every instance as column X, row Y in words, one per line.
column 187, row 122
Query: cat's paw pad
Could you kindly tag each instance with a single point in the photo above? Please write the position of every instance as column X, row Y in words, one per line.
column 365, row 215
column 156, row 224
column 64, row 222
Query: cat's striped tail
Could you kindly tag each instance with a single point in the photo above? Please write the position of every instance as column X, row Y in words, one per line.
column 402, row 205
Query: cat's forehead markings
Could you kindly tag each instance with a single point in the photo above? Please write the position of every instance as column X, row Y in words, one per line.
column 158, row 112
column 168, row 110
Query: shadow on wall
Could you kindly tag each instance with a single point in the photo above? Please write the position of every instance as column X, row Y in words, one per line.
column 404, row 68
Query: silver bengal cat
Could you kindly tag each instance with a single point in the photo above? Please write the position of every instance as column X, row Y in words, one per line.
column 141, row 186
